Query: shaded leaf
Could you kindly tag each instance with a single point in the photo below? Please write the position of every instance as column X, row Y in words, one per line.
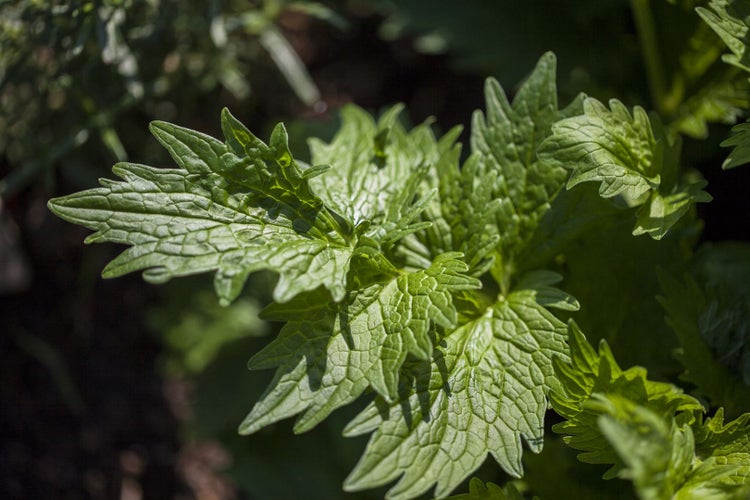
column 740, row 155
column 656, row 453
column 490, row 491
column 505, row 138
column 327, row 356
column 633, row 159
column 484, row 389
column 728, row 18
column 695, row 319
column 726, row 444
column 233, row 208
column 590, row 373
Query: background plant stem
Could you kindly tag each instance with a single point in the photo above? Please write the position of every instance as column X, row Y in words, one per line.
column 646, row 28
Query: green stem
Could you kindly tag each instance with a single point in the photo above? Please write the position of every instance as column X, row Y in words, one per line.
column 646, row 28
column 290, row 65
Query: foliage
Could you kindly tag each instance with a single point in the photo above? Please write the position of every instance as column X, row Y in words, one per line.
column 490, row 491
column 194, row 326
column 729, row 20
column 650, row 432
column 680, row 55
column 243, row 205
column 74, row 75
column 710, row 322
column 635, row 162
column 427, row 286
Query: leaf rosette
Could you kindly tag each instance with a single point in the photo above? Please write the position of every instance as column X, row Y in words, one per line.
column 399, row 273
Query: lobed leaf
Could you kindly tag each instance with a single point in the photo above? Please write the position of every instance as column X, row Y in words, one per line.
column 461, row 215
column 484, row 389
column 671, row 457
column 234, row 208
column 633, row 159
column 725, row 445
column 689, row 311
column 327, row 356
column 242, row 205
column 728, row 18
column 740, row 139
column 376, row 170
column 505, row 139
column 590, row 373
column 662, row 211
column 656, row 453
column 696, row 89
column 379, row 247
column 650, row 432
column 491, row 207
column 490, row 491
column 720, row 100
column 610, row 146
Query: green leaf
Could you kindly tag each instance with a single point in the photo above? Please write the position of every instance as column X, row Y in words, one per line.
column 656, row 453
column 689, row 311
column 649, row 431
column 662, row 211
column 691, row 88
column 327, row 356
column 243, row 205
column 667, row 459
column 608, row 146
column 725, row 445
column 484, row 389
column 590, row 373
column 495, row 201
column 634, row 161
column 490, row 491
column 376, row 172
column 546, row 295
column 721, row 100
column 461, row 215
column 740, row 155
column 505, row 138
column 233, row 208
column 729, row 19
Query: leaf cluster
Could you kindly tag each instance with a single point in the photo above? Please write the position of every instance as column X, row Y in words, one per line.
column 427, row 286
column 649, row 432
column 77, row 78
column 378, row 273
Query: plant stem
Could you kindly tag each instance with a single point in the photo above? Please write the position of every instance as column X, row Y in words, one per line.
column 646, row 28
column 290, row 65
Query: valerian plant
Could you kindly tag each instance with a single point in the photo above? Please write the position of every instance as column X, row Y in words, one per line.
column 433, row 287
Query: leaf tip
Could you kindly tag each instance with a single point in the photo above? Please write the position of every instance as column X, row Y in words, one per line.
column 248, row 426
column 158, row 128
column 54, row 206
column 548, row 59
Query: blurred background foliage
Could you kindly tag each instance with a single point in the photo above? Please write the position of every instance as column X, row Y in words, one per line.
column 80, row 79
column 119, row 388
